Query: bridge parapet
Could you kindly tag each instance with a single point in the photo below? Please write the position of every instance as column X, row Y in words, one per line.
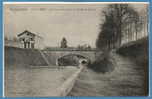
column 53, row 56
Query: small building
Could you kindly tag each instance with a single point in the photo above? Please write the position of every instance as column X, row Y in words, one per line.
column 30, row 40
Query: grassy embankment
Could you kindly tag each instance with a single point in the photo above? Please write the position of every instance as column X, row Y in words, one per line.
column 128, row 78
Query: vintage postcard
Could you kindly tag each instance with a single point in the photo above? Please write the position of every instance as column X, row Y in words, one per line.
column 76, row 49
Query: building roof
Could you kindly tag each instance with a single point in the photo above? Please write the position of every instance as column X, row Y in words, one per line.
column 26, row 31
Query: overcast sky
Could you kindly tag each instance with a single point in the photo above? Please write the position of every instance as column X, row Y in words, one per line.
column 79, row 24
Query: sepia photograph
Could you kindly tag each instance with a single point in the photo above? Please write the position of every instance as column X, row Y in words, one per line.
column 76, row 49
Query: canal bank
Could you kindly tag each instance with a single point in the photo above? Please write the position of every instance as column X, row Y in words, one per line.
column 127, row 79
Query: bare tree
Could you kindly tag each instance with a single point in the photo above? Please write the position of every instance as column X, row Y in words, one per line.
column 118, row 17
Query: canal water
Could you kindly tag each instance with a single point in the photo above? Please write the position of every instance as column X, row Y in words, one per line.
column 37, row 82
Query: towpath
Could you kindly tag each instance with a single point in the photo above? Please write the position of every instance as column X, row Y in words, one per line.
column 123, row 81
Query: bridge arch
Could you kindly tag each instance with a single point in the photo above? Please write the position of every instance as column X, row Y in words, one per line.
column 72, row 60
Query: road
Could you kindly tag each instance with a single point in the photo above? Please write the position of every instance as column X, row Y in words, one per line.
column 127, row 79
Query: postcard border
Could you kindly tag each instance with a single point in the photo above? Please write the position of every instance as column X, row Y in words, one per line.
column 2, row 44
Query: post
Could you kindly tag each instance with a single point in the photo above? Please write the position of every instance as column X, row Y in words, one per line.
column 28, row 44
column 24, row 44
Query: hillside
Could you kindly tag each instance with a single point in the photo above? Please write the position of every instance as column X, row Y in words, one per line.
column 22, row 57
column 129, row 77
column 136, row 50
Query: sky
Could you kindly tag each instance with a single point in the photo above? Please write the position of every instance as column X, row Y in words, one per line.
column 78, row 23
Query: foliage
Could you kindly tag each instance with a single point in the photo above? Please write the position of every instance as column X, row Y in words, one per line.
column 84, row 47
column 102, row 66
column 64, row 43
column 117, row 19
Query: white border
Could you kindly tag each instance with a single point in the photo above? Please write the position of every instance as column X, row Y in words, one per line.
column 3, row 67
column 4, row 3
column 75, row 2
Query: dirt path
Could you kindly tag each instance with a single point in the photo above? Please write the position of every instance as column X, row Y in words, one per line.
column 126, row 80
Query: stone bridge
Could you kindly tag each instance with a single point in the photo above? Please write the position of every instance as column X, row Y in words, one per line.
column 53, row 56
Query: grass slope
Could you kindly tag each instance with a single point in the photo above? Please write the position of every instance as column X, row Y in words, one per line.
column 17, row 57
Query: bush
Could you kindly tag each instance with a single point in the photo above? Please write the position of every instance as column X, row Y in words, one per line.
column 102, row 66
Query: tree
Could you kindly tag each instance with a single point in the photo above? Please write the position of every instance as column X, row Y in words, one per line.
column 6, row 38
column 89, row 47
column 79, row 47
column 107, row 33
column 64, row 43
column 117, row 19
column 15, row 39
